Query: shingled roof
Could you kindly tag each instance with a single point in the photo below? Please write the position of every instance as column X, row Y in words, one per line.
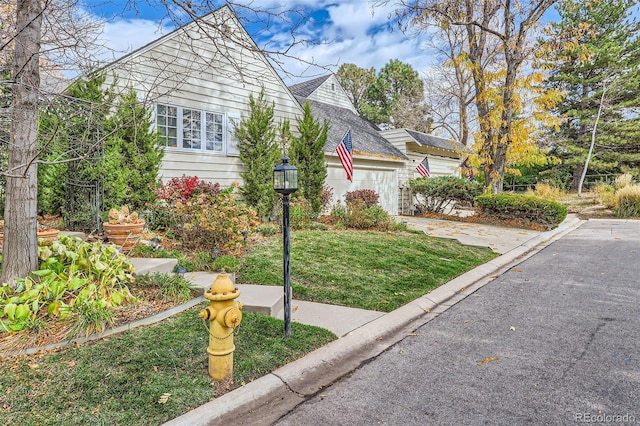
column 364, row 136
column 306, row 88
column 435, row 141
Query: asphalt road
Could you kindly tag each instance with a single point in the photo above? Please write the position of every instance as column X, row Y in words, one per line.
column 553, row 341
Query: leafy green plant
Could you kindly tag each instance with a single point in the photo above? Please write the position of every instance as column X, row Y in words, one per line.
column 442, row 193
column 267, row 229
column 77, row 281
column 527, row 209
column 173, row 288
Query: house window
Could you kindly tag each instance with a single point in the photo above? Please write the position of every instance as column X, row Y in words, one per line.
column 167, row 122
column 191, row 129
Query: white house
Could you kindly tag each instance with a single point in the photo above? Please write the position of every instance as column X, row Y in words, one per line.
column 444, row 157
column 376, row 162
column 198, row 79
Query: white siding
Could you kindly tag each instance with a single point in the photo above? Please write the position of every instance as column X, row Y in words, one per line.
column 438, row 166
column 381, row 176
column 186, row 69
column 331, row 92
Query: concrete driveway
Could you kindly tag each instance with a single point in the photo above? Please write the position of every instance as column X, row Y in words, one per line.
column 500, row 239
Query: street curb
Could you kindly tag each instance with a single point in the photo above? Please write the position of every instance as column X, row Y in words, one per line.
column 266, row 399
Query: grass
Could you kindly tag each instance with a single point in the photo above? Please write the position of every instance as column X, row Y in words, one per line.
column 125, row 379
column 120, row 380
column 369, row 270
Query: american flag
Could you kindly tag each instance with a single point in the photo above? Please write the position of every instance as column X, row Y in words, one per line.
column 344, row 152
column 423, row 168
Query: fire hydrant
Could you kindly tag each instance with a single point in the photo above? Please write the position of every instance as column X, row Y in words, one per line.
column 224, row 314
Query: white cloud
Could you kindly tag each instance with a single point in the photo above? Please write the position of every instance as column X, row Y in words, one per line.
column 352, row 33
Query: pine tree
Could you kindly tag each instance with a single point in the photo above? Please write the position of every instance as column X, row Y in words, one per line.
column 307, row 154
column 259, row 153
column 135, row 150
column 597, row 52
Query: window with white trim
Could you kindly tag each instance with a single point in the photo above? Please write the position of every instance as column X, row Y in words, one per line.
column 191, row 129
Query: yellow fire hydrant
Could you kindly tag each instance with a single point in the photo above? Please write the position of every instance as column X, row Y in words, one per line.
column 224, row 314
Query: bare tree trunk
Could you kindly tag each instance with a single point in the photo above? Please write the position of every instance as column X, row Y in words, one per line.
column 593, row 142
column 20, row 247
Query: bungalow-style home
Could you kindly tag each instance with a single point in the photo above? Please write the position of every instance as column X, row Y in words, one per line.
column 376, row 162
column 199, row 78
column 443, row 157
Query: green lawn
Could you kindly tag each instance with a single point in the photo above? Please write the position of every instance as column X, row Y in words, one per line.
column 121, row 379
column 370, row 270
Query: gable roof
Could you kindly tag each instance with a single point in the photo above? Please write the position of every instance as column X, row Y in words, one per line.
column 364, row 136
column 306, row 88
column 424, row 139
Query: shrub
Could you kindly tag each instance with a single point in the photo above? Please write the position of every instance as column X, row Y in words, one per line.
column 623, row 181
column 526, row 209
column 325, row 199
column 627, row 201
column 606, row 195
column 362, row 217
column 544, row 190
column 267, row 229
column 300, row 213
column 368, row 196
column 169, row 287
column 208, row 222
column 185, row 188
column 338, row 213
column 437, row 194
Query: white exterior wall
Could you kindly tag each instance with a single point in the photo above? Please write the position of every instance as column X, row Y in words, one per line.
column 187, row 71
column 438, row 165
column 331, row 92
column 381, row 176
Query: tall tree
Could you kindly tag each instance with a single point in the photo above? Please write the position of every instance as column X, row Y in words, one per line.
column 449, row 85
column 356, row 82
column 71, row 39
column 595, row 52
column 396, row 86
column 259, row 152
column 307, row 154
column 508, row 24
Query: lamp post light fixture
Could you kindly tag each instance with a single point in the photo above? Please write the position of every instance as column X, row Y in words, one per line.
column 285, row 182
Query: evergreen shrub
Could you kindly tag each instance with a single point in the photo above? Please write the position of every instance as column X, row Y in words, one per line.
column 437, row 194
column 527, row 209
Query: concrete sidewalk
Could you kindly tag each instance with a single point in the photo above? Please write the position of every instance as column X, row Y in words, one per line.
column 364, row 334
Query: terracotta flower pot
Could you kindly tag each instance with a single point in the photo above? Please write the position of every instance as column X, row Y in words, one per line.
column 124, row 235
column 47, row 237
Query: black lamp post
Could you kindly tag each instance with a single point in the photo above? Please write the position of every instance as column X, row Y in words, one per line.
column 285, row 182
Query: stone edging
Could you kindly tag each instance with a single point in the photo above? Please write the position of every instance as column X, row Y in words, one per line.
column 110, row 332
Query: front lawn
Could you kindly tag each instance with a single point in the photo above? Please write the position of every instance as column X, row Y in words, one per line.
column 370, row 270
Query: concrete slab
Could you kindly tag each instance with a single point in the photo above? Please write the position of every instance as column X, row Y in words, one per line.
column 151, row 265
column 338, row 319
column 259, row 299
column 500, row 239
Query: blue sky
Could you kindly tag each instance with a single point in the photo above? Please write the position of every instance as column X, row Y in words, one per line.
column 351, row 31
